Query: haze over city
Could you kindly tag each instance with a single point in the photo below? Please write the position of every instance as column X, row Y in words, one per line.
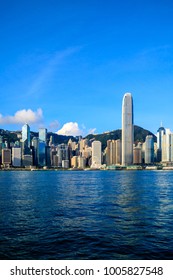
column 66, row 65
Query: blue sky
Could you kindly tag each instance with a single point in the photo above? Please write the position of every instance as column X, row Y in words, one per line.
column 65, row 65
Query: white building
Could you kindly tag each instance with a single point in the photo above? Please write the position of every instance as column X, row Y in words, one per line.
column 16, row 156
column 96, row 154
column 167, row 146
column 65, row 163
column 81, row 162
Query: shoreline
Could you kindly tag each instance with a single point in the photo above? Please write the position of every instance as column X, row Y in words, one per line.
column 128, row 168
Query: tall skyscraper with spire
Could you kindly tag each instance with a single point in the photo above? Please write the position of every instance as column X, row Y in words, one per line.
column 127, row 130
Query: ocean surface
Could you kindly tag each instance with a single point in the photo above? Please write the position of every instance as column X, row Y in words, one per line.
column 86, row 215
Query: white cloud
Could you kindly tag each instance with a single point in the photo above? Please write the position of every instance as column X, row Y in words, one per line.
column 70, row 129
column 23, row 116
column 73, row 129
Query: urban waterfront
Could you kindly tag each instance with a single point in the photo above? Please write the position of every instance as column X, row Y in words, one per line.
column 86, row 215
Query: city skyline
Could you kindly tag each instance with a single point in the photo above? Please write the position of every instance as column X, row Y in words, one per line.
column 66, row 66
column 40, row 151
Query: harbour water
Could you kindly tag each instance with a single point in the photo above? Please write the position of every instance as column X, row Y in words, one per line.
column 86, row 215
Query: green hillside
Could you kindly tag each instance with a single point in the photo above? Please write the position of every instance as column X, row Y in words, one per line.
column 139, row 136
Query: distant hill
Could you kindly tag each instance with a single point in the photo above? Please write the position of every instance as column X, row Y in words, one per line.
column 8, row 136
column 139, row 136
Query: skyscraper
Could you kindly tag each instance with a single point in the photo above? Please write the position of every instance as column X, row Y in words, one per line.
column 149, row 149
column 42, row 146
column 43, row 134
column 26, row 142
column 96, row 154
column 127, row 130
column 160, row 132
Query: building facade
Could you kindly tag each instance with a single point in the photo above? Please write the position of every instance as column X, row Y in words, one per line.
column 96, row 154
column 149, row 149
column 26, row 140
column 127, row 130
column 160, row 132
column 16, row 156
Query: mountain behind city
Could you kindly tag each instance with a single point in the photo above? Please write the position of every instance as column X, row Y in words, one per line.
column 139, row 136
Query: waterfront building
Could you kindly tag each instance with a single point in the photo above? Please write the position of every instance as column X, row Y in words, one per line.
column 155, row 152
column 118, row 151
column 81, row 162
column 167, row 146
column 149, row 149
column 160, row 132
column 137, row 155
column 35, row 145
column 6, row 157
column 42, row 147
column 74, row 162
column 127, row 130
column 16, row 156
column 41, row 154
column 62, row 153
column 53, row 153
column 65, row 163
column 27, row 160
column 55, row 160
column 113, row 152
column 96, row 154
column 48, row 156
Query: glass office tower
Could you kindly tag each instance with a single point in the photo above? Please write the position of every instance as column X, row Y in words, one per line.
column 26, row 140
column 42, row 147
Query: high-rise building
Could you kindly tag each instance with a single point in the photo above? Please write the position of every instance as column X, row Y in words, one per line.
column 81, row 162
column 42, row 147
column 16, row 156
column 26, row 142
column 42, row 134
column 96, row 154
column 74, row 162
column 62, row 153
column 160, row 132
column 6, row 157
column 113, row 152
column 137, row 154
column 127, row 130
column 167, row 146
column 149, row 149
column 35, row 145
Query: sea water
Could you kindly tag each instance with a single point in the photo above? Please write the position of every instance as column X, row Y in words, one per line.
column 86, row 215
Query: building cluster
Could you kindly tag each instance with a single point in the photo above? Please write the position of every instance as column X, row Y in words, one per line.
column 44, row 153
